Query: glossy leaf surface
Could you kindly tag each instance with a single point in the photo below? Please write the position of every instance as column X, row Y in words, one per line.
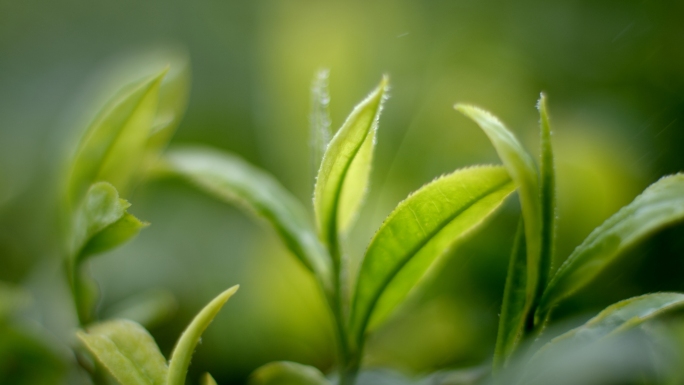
column 230, row 178
column 523, row 171
column 185, row 347
column 661, row 204
column 114, row 145
column 419, row 230
column 343, row 176
column 128, row 351
column 287, row 373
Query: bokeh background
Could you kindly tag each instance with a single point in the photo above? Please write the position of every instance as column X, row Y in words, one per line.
column 613, row 72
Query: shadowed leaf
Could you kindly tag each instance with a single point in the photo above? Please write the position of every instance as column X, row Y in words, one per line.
column 287, row 373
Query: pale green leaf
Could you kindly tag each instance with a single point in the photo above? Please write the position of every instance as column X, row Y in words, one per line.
column 523, row 171
column 512, row 319
column 230, row 178
column 114, row 235
column 128, row 351
column 320, row 118
column 287, row 373
column 343, row 176
column 661, row 204
column 149, row 308
column 207, row 379
column 185, row 347
column 418, row 231
column 620, row 317
column 114, row 145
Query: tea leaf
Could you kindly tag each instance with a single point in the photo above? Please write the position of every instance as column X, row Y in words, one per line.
column 512, row 320
column 114, row 235
column 418, row 231
column 128, row 351
column 523, row 171
column 320, row 118
column 114, row 144
column 622, row 316
column 231, row 179
column 180, row 358
column 661, row 204
column 345, row 168
column 287, row 373
column 207, row 379
column 548, row 196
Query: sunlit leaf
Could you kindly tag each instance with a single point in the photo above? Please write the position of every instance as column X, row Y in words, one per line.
column 523, row 171
column 419, row 230
column 114, row 145
column 320, row 118
column 207, row 379
column 512, row 319
column 185, row 347
column 287, row 373
column 230, row 178
column 622, row 316
column 149, row 308
column 345, row 168
column 661, row 204
column 128, row 351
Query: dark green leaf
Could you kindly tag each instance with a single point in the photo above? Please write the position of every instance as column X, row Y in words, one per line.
column 419, row 230
column 232, row 179
column 548, row 197
column 287, row 373
column 512, row 320
column 185, row 347
column 345, row 168
column 128, row 351
column 661, row 204
column 524, row 172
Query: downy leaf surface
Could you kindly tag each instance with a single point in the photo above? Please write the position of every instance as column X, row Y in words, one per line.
column 231, row 179
column 343, row 177
column 661, row 204
column 185, row 347
column 523, row 171
column 512, row 319
column 287, row 373
column 114, row 144
column 128, row 351
column 320, row 118
column 419, row 230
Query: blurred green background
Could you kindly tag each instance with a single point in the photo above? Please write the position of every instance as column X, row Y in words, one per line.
column 613, row 71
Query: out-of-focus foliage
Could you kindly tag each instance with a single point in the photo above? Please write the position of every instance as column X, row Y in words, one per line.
column 613, row 71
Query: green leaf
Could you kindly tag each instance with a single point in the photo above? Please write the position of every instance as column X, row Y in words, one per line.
column 523, row 171
column 207, row 379
column 548, row 196
column 345, row 168
column 231, row 179
column 114, row 235
column 128, row 351
column 620, row 317
column 419, row 230
column 12, row 299
column 180, row 359
column 512, row 320
column 114, row 145
column 287, row 373
column 319, row 118
column 661, row 204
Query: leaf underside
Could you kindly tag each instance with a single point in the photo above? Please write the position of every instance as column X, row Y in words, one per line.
column 418, row 231
column 661, row 204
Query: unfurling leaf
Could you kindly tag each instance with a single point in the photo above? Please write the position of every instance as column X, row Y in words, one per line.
column 418, row 231
column 185, row 347
column 287, row 373
column 512, row 320
column 128, row 351
column 114, row 145
column 345, row 168
column 230, row 178
column 523, row 171
column 661, row 204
